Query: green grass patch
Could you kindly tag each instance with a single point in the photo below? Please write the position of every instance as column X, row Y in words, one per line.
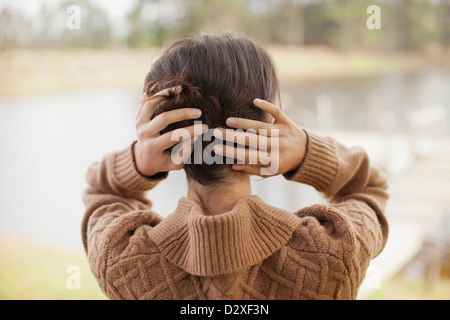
column 68, row 70
column 404, row 289
column 30, row 272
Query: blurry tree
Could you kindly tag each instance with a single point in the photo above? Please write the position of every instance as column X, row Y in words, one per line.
column 152, row 22
column 287, row 22
column 405, row 24
column 444, row 20
column 15, row 30
column 403, row 10
column 95, row 29
column 424, row 24
column 7, row 39
column 44, row 34
column 137, row 36
column 215, row 16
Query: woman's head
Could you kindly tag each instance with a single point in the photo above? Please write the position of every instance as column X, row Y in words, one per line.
column 221, row 75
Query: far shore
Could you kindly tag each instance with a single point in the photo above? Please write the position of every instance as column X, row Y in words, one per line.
column 26, row 72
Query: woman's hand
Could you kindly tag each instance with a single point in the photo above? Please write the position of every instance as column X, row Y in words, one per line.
column 271, row 149
column 150, row 150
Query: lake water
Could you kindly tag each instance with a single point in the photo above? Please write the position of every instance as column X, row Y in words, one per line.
column 357, row 103
column 47, row 143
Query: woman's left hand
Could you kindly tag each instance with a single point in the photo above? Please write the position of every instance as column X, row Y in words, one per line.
column 270, row 148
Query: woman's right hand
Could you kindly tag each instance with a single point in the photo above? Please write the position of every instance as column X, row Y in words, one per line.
column 150, row 150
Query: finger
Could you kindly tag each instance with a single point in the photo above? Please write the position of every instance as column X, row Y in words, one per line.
column 248, row 168
column 242, row 155
column 181, row 152
column 189, row 147
column 169, row 91
column 173, row 161
column 147, row 108
column 152, row 101
column 248, row 138
column 248, row 124
column 274, row 110
column 261, row 171
column 171, row 138
column 144, row 96
column 161, row 121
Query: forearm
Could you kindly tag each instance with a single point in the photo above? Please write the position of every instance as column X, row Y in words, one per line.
column 115, row 181
column 335, row 170
column 355, row 190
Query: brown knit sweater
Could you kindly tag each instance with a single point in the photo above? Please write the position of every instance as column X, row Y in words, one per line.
column 254, row 251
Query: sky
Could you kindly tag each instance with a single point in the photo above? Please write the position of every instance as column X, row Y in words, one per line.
column 116, row 10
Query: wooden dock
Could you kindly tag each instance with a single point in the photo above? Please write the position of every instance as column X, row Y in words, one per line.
column 419, row 198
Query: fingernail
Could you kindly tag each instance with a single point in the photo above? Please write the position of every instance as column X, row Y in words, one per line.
column 231, row 121
column 204, row 127
column 197, row 112
column 177, row 89
column 257, row 101
column 217, row 133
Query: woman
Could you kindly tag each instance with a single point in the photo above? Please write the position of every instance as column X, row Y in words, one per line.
column 222, row 242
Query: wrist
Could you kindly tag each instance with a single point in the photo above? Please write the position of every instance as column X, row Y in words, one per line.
column 141, row 162
column 300, row 151
column 303, row 146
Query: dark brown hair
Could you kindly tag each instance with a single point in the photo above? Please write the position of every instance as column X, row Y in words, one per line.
column 220, row 74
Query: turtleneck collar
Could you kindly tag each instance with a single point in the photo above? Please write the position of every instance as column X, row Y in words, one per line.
column 225, row 243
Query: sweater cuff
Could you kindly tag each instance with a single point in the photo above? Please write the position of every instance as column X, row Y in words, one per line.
column 319, row 166
column 128, row 175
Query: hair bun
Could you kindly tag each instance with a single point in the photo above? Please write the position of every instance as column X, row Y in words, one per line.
column 189, row 97
column 156, row 86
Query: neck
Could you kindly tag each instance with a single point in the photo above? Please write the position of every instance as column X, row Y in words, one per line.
column 220, row 198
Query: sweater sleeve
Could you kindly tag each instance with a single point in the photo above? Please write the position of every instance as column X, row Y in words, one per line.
column 356, row 192
column 116, row 206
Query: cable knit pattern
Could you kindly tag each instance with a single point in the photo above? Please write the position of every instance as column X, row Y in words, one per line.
column 254, row 251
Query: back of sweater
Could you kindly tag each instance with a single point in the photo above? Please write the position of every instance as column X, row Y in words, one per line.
column 254, row 251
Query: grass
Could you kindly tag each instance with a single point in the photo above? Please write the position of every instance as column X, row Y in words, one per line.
column 31, row 272
column 404, row 289
column 47, row 71
column 323, row 63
